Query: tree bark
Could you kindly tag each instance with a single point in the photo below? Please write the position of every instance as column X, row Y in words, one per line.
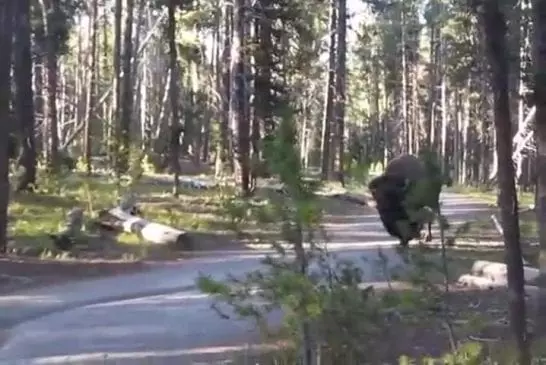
column 175, row 124
column 127, row 91
column 329, row 97
column 239, row 118
column 6, row 35
column 24, row 100
column 51, row 9
column 90, row 105
column 116, row 96
column 495, row 32
column 341, row 73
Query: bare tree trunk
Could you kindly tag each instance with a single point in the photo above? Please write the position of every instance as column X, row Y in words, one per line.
column 90, row 105
column 239, row 118
column 263, row 115
column 444, row 115
column 407, row 147
column 495, row 32
column 329, row 97
column 116, row 96
column 431, row 120
column 341, row 72
column 175, row 124
column 223, row 153
column 24, row 100
column 6, row 35
column 127, row 91
column 51, row 10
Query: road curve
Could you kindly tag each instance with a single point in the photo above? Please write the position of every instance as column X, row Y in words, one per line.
column 159, row 317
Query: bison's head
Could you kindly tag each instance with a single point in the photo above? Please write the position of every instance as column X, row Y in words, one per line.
column 385, row 186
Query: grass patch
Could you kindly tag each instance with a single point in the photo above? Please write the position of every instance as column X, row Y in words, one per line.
column 34, row 215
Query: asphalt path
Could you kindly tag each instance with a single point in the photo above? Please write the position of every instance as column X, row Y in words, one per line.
column 160, row 317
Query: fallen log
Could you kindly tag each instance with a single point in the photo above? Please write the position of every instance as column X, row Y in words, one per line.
column 66, row 238
column 123, row 218
column 488, row 275
column 498, row 271
column 478, row 282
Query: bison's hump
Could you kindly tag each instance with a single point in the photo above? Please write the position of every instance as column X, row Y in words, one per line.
column 406, row 166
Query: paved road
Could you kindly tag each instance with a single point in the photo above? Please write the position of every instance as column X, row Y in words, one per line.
column 159, row 316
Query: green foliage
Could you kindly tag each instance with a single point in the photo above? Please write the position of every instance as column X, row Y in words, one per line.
column 425, row 192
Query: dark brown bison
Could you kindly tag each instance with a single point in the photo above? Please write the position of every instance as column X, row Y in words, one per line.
column 399, row 195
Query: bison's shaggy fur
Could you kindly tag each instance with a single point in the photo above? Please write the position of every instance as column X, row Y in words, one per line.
column 408, row 184
column 388, row 192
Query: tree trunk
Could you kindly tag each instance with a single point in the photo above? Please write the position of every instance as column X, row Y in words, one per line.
column 175, row 124
column 223, row 153
column 51, row 10
column 6, row 35
column 90, row 105
column 431, row 118
column 24, row 100
column 116, row 95
column 239, row 118
column 127, row 91
column 404, row 50
column 495, row 32
column 341, row 71
column 329, row 98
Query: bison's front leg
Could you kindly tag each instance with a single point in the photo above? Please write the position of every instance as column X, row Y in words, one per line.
column 428, row 237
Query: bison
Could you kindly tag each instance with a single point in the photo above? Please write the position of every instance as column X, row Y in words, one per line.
column 405, row 189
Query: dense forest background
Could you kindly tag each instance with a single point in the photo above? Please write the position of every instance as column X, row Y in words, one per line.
column 113, row 78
